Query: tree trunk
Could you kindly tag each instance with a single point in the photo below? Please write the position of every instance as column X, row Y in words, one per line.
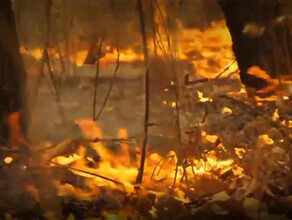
column 259, row 37
column 12, row 73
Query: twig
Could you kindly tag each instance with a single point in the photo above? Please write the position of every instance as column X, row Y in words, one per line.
column 34, row 92
column 46, row 59
column 160, row 166
column 188, row 82
column 94, row 140
column 225, row 69
column 96, row 80
column 87, row 172
column 57, row 94
column 63, row 65
column 81, row 140
column 147, row 92
column 177, row 97
column 110, row 86
column 153, row 172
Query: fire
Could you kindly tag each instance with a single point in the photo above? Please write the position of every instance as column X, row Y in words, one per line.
column 257, row 71
column 36, row 53
column 13, row 121
column 122, row 166
column 209, row 50
column 202, row 98
column 126, row 55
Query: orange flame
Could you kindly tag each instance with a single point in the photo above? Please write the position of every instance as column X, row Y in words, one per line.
column 16, row 137
column 159, row 171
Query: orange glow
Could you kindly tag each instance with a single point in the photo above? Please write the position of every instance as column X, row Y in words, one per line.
column 257, row 71
column 36, row 53
column 33, row 190
column 159, row 171
column 8, row 160
column 209, row 50
column 16, row 137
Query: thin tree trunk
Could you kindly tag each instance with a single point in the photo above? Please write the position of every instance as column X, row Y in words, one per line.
column 139, row 178
column 12, row 73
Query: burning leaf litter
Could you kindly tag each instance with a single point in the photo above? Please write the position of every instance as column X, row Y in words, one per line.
column 235, row 160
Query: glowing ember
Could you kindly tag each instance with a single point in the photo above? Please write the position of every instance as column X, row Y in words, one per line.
column 15, row 132
column 257, row 71
column 8, row 160
column 36, row 53
column 202, row 98
column 226, row 110
column 265, row 139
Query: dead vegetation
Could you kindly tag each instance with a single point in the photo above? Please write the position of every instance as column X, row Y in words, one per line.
column 232, row 154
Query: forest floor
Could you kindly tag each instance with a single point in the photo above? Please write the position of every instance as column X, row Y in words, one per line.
column 234, row 156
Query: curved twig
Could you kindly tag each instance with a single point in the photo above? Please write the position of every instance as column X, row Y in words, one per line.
column 110, row 86
column 96, row 79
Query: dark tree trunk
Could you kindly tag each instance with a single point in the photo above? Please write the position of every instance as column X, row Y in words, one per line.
column 259, row 37
column 12, row 74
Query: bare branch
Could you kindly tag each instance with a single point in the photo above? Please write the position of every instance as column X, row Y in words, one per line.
column 96, row 80
column 110, row 86
column 83, row 171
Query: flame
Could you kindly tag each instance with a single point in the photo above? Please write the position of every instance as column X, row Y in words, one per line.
column 257, row 71
column 16, row 137
column 126, row 55
column 36, row 53
column 209, row 51
column 159, row 171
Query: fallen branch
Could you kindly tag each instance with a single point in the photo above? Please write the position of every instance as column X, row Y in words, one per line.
column 87, row 172
column 70, row 145
column 95, row 140
column 110, row 86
